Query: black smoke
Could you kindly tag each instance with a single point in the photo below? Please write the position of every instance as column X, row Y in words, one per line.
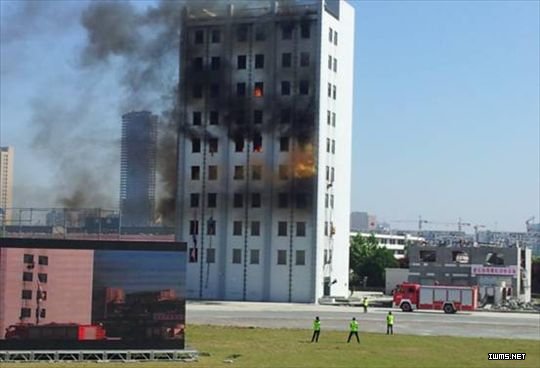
column 141, row 45
column 68, row 136
column 146, row 43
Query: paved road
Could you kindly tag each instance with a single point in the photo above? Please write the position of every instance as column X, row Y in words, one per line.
column 431, row 323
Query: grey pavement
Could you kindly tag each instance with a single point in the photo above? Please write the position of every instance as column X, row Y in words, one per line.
column 429, row 323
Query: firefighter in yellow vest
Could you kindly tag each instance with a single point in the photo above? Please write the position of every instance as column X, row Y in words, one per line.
column 365, row 304
column 389, row 324
column 353, row 330
column 316, row 329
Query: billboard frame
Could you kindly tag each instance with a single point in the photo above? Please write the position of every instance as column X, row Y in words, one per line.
column 109, row 347
column 126, row 356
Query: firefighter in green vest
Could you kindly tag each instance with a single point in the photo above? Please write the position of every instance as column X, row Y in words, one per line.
column 353, row 330
column 316, row 329
column 365, row 304
column 389, row 324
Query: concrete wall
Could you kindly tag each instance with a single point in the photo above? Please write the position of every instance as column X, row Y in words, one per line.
column 513, row 272
column 341, row 133
column 394, row 277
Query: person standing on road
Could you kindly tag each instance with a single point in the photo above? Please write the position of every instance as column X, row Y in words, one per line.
column 365, row 304
column 389, row 324
column 353, row 330
column 316, row 329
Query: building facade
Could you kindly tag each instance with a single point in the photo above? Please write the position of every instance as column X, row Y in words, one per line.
column 265, row 150
column 6, row 183
column 494, row 269
column 40, row 286
column 138, row 168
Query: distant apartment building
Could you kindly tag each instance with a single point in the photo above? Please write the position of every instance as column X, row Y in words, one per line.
column 529, row 239
column 397, row 243
column 138, row 168
column 265, row 150
column 55, row 217
column 445, row 237
column 362, row 221
column 533, row 239
column 493, row 269
column 40, row 286
column 6, row 184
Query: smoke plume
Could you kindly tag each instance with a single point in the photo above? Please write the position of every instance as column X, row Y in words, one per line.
column 141, row 45
column 147, row 43
column 24, row 19
column 68, row 136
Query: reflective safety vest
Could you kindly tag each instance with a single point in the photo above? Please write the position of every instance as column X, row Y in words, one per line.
column 390, row 320
column 365, row 302
column 353, row 326
column 316, row 325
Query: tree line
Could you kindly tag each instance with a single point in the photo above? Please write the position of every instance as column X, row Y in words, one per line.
column 368, row 261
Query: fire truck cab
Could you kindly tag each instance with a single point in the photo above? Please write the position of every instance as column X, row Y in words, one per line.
column 17, row 332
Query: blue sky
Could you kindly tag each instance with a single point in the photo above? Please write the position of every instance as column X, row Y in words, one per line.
column 446, row 120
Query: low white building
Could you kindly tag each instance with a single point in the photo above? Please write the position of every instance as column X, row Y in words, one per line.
column 394, row 242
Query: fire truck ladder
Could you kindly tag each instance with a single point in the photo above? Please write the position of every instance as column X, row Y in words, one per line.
column 246, row 199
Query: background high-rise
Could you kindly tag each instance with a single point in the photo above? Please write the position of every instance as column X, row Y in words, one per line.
column 6, row 183
column 138, row 168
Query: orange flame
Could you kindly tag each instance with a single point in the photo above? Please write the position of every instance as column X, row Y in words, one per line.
column 258, row 92
column 303, row 162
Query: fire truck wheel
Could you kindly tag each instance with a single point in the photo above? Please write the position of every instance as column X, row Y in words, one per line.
column 406, row 307
column 448, row 308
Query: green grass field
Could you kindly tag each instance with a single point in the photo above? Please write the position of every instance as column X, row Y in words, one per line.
column 257, row 347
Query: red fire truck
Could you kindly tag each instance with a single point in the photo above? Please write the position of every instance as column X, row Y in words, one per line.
column 55, row 331
column 450, row 299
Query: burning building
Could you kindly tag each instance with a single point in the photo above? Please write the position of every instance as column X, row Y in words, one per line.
column 265, row 117
column 40, row 286
column 138, row 168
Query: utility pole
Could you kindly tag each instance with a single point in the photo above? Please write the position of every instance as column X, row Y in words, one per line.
column 476, row 227
column 420, row 222
column 461, row 224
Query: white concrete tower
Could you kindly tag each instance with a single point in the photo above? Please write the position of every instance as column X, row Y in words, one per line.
column 265, row 150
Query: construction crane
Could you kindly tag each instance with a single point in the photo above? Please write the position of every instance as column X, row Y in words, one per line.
column 460, row 224
column 419, row 222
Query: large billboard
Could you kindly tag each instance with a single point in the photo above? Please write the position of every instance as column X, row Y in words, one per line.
column 91, row 294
